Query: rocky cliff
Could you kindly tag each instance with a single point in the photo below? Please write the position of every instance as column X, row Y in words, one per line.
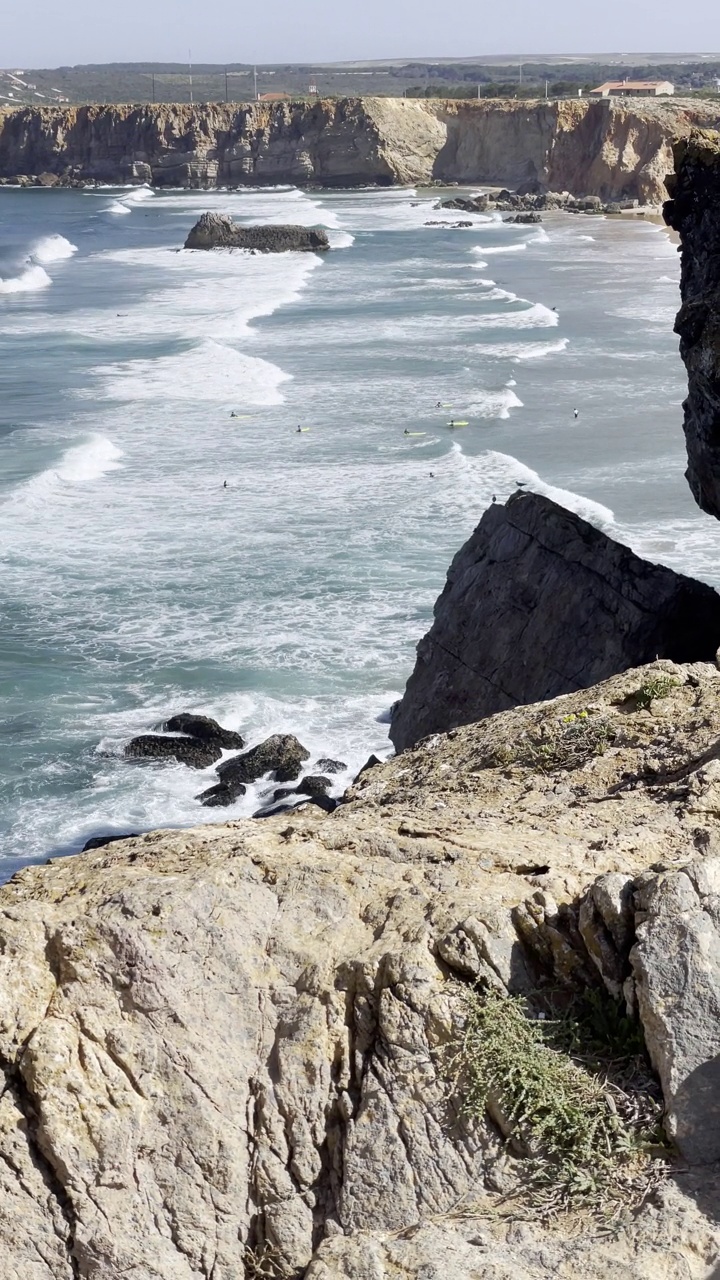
column 610, row 149
column 694, row 211
column 538, row 602
column 230, row 1052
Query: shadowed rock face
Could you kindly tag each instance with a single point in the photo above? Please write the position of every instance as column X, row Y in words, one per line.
column 537, row 603
column 694, row 211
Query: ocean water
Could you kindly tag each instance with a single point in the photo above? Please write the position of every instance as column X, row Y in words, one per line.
column 135, row 585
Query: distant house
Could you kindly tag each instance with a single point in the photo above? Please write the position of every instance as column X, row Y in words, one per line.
column 633, row 89
column 273, row 97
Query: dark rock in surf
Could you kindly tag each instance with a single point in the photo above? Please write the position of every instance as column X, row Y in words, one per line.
column 326, row 803
column 99, row 842
column 369, row 764
column 189, row 751
column 537, row 603
column 313, row 785
column 281, row 755
column 468, row 204
column 222, row 794
column 524, row 219
column 326, row 765
column 205, row 729
column 218, row 231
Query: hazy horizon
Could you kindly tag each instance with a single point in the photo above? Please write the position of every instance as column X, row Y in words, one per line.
column 43, row 35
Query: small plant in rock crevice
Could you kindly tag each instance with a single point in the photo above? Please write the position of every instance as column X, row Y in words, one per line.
column 565, row 745
column 655, row 687
column 585, row 1141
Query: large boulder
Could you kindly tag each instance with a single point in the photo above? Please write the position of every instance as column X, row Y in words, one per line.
column 218, row 231
column 537, row 603
column 281, row 755
column 694, row 211
column 676, row 961
column 205, row 729
column 185, row 750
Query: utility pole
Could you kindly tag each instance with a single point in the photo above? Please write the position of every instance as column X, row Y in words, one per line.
column 190, row 74
column 153, row 85
column 546, row 88
column 521, row 75
column 255, row 82
column 226, row 86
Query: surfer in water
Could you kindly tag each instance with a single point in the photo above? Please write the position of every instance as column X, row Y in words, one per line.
column 225, row 484
column 233, row 414
column 576, row 413
column 451, row 424
column 298, row 429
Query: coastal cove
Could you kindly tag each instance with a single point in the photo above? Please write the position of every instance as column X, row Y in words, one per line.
column 292, row 600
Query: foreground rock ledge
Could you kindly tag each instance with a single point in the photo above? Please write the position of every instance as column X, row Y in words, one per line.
column 538, row 603
column 218, row 231
column 221, row 1039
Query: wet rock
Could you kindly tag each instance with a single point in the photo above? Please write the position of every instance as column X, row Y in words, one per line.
column 467, row 204
column 281, row 755
column 314, row 785
column 222, row 794
column 186, row 750
column 218, row 231
column 538, row 603
column 369, row 764
column 99, row 842
column 523, row 219
column 326, row 765
column 205, row 729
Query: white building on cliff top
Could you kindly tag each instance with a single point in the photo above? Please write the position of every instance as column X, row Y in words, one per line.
column 633, row 89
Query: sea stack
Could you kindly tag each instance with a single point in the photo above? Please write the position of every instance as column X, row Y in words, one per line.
column 218, row 231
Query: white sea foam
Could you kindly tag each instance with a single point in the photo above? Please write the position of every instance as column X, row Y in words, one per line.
column 500, row 473
column 521, row 350
column 29, row 280
column 340, row 239
column 78, row 465
column 493, row 404
column 52, row 249
column 499, row 248
column 209, row 371
column 536, row 316
column 117, row 207
column 500, row 295
column 136, row 195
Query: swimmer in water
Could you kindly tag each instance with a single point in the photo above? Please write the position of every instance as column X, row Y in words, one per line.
column 233, row 414
column 575, row 413
column 225, row 484
column 432, row 475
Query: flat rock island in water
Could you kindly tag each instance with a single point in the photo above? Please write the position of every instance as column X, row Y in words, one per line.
column 218, row 231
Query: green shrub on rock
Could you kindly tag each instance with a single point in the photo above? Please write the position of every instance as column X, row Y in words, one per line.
column 580, row 1143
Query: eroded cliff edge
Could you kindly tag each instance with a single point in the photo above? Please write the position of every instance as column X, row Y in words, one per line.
column 612, row 149
column 225, row 1051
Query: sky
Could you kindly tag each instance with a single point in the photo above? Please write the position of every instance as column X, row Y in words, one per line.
column 42, row 33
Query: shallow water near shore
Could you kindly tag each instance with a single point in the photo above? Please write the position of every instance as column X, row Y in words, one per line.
column 135, row 585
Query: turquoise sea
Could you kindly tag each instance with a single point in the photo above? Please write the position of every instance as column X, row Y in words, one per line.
column 133, row 584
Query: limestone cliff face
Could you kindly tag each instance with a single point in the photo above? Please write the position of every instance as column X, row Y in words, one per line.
column 610, row 149
column 224, row 1052
column 694, row 211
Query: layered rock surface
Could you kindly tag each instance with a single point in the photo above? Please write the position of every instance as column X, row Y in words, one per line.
column 614, row 149
column 538, row 602
column 694, row 211
column 226, row 1048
